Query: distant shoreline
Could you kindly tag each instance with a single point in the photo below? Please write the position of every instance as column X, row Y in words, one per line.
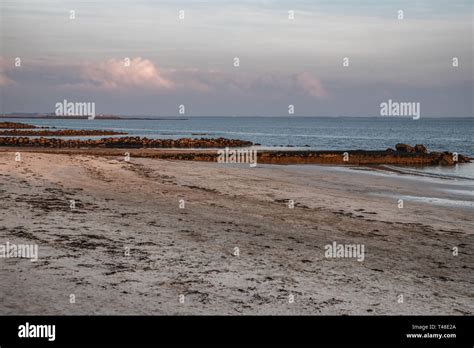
column 46, row 117
column 173, row 118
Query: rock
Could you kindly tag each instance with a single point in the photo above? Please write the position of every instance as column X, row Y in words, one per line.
column 125, row 142
column 404, row 148
column 15, row 125
column 419, row 148
column 63, row 132
column 446, row 160
column 463, row 159
column 405, row 154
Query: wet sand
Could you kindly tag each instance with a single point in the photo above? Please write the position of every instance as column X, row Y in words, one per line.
column 134, row 206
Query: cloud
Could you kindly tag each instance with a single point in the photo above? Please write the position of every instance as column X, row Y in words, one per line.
column 143, row 73
column 214, row 81
column 194, row 79
column 114, row 74
column 311, row 85
column 4, row 67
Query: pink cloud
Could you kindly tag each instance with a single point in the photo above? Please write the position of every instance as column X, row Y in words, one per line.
column 5, row 66
column 114, row 73
column 311, row 85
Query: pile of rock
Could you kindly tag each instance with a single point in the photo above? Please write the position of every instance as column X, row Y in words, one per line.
column 59, row 133
column 404, row 148
column 15, row 125
column 124, row 142
column 442, row 158
column 359, row 157
column 356, row 157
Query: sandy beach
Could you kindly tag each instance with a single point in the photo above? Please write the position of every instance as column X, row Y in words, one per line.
column 130, row 247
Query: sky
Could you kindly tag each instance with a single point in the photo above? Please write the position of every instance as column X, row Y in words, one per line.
column 140, row 58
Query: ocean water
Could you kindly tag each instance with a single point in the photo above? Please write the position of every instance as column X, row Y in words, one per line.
column 319, row 133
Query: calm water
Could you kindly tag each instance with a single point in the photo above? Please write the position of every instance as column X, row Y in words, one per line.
column 319, row 133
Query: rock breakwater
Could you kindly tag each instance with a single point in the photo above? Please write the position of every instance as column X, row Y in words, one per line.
column 58, row 133
column 124, row 142
column 16, row 125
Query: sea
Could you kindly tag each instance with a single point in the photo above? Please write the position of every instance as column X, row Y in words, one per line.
column 316, row 133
